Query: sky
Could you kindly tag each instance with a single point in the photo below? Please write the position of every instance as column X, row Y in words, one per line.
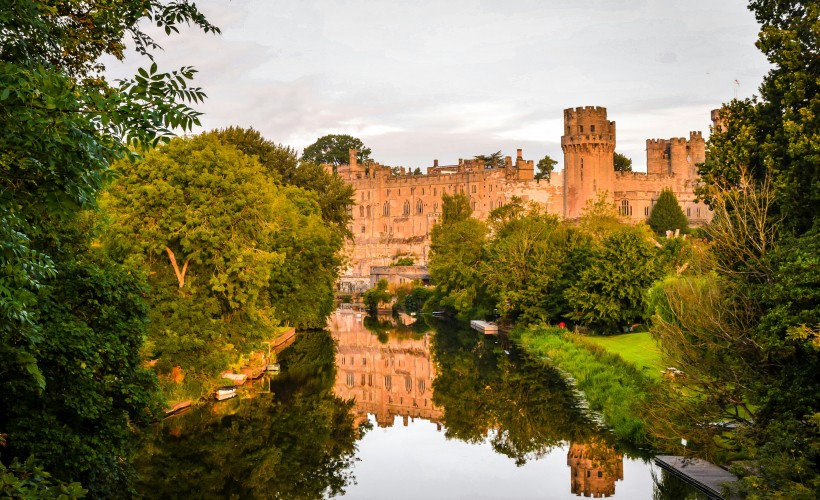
column 421, row 80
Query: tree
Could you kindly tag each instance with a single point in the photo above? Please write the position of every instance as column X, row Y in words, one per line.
column 63, row 125
column 376, row 296
column 205, row 223
column 546, row 165
column 610, row 292
column 493, row 160
column 622, row 163
column 281, row 164
column 334, row 149
column 667, row 215
column 455, row 208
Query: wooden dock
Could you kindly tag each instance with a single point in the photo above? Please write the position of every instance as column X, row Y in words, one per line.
column 484, row 327
column 708, row 478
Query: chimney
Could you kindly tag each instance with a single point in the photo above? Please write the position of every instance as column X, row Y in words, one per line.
column 435, row 163
column 352, row 161
column 519, row 157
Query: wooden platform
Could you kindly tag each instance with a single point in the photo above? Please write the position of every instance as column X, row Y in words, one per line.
column 483, row 326
column 708, row 478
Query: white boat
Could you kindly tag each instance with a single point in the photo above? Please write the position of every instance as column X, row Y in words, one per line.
column 225, row 392
column 236, row 378
column 273, row 367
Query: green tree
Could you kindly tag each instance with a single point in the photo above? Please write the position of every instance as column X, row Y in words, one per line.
column 334, row 149
column 493, row 160
column 667, row 215
column 610, row 292
column 204, row 222
column 376, row 296
column 63, row 124
column 622, row 163
column 280, row 163
column 546, row 165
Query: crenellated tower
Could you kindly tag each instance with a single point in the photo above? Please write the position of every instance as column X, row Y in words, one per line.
column 589, row 145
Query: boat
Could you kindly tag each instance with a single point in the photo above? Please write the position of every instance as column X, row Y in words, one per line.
column 178, row 408
column 225, row 392
column 273, row 367
column 485, row 327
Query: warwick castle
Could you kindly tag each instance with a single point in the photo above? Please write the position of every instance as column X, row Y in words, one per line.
column 395, row 212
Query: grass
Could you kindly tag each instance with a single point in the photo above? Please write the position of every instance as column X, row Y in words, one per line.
column 639, row 349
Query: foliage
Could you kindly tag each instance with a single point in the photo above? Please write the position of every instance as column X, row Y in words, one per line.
column 63, row 124
column 667, row 215
column 600, row 217
column 377, row 295
column 622, row 163
column 28, row 480
column 403, row 261
column 455, row 256
column 638, row 348
column 334, row 149
column 611, row 386
column 492, row 160
column 281, row 166
column 546, row 166
column 610, row 292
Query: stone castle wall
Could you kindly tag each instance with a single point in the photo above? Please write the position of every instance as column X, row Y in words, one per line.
column 395, row 212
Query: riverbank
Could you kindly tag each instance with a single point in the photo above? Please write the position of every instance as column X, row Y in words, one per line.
column 613, row 388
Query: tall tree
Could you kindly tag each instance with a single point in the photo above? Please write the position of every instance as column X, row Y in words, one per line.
column 492, row 160
column 667, row 215
column 622, row 163
column 63, row 124
column 546, row 165
column 334, row 149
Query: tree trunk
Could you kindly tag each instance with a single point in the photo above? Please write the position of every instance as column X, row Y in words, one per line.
column 180, row 274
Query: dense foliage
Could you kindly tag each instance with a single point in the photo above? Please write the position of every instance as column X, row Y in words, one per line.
column 545, row 167
column 622, row 162
column 71, row 323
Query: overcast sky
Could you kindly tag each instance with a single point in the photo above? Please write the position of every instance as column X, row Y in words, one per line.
column 424, row 80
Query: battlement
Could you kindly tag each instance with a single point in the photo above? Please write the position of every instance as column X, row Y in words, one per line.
column 587, row 109
column 588, row 123
column 678, row 141
column 656, row 143
column 695, row 135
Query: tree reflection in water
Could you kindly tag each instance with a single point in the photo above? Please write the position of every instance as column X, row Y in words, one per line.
column 298, row 441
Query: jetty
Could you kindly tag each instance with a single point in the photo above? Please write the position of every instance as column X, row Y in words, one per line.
column 484, row 327
column 707, row 477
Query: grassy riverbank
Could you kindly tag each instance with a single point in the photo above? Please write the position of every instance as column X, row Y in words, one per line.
column 637, row 348
column 613, row 387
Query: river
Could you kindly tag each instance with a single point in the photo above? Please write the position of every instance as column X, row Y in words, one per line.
column 371, row 408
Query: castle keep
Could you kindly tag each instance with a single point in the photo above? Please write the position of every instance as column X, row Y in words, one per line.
column 395, row 211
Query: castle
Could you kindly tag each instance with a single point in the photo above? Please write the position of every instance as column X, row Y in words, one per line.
column 395, row 211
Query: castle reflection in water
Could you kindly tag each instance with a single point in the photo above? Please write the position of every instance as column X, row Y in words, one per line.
column 395, row 378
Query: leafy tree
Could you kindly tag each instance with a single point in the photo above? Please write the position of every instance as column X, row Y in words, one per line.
column 546, row 165
column 622, row 163
column 280, row 163
column 667, row 215
column 334, row 149
column 456, row 250
column 610, row 292
column 377, row 295
column 63, row 124
column 493, row 160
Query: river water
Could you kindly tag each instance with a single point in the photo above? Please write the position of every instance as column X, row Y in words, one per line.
column 374, row 409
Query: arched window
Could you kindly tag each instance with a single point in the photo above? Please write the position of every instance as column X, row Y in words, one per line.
column 349, row 380
column 420, row 207
column 386, row 208
column 625, row 209
column 361, row 211
column 368, row 211
column 406, row 207
column 408, row 384
column 388, row 382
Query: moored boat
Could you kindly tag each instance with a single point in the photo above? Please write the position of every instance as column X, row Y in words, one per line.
column 225, row 392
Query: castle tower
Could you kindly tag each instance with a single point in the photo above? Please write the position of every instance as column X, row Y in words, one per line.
column 589, row 145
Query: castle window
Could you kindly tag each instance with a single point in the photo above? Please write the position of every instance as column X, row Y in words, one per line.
column 412, row 190
column 625, row 209
column 646, row 211
column 362, row 229
column 580, row 129
column 386, row 208
column 689, row 211
column 422, row 191
column 420, row 207
column 422, row 385
column 361, row 211
column 388, row 382
column 363, row 379
column 592, row 129
column 406, row 208
column 435, row 207
column 473, row 204
column 364, row 361
column 408, row 384
column 399, row 191
column 474, row 188
column 349, row 380
column 697, row 211
column 435, row 191
column 368, row 211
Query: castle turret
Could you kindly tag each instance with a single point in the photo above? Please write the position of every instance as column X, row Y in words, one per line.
column 589, row 146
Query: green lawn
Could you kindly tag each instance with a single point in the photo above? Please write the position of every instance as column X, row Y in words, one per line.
column 636, row 348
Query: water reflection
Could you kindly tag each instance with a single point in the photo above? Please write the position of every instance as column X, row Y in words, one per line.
column 386, row 378
column 594, row 469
